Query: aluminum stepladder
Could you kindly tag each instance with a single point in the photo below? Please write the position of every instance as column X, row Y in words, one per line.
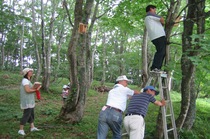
column 164, row 82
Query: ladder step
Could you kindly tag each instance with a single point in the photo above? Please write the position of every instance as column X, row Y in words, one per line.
column 170, row 129
column 168, row 115
column 164, row 75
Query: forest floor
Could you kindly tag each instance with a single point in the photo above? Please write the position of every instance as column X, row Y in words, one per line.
column 47, row 110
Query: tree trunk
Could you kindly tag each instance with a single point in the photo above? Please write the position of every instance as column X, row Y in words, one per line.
column 172, row 13
column 190, row 118
column 169, row 24
column 198, row 11
column 144, row 72
column 22, row 42
column 186, row 64
column 2, row 43
column 90, row 55
column 103, row 79
column 44, row 79
column 34, row 36
column 49, row 46
column 73, row 110
column 60, row 42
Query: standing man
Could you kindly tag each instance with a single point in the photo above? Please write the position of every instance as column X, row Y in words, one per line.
column 154, row 25
column 137, row 110
column 111, row 113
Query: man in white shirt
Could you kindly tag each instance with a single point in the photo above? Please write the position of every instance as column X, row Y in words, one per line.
column 111, row 113
column 154, row 25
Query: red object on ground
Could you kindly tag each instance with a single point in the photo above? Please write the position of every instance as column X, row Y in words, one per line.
column 38, row 95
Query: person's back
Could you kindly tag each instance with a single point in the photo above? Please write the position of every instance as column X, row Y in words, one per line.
column 139, row 103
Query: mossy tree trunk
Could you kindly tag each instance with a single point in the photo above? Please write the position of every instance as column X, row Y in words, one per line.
column 73, row 110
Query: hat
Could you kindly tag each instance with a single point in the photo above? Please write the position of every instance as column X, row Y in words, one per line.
column 123, row 77
column 151, row 88
column 65, row 86
column 26, row 70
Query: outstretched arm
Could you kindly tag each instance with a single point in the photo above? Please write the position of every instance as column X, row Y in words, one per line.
column 160, row 103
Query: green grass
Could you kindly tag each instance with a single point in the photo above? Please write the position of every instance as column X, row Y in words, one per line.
column 48, row 108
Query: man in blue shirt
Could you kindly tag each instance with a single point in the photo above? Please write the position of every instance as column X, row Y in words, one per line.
column 137, row 110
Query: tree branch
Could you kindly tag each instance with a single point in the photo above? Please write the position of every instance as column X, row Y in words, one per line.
column 67, row 11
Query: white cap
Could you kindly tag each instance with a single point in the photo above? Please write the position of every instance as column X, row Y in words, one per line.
column 65, row 86
column 26, row 70
column 123, row 77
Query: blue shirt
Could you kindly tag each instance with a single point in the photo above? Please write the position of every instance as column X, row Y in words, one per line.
column 139, row 103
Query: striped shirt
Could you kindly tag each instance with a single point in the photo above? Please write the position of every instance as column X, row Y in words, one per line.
column 139, row 103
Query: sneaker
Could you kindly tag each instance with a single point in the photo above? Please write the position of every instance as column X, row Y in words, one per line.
column 21, row 132
column 155, row 70
column 34, row 129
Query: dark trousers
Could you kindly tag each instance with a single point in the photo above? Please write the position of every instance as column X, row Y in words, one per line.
column 160, row 45
column 28, row 116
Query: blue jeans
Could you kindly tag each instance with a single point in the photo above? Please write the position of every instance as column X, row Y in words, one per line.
column 109, row 118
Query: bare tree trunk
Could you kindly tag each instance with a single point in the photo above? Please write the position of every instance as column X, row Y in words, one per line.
column 186, row 64
column 22, row 42
column 104, row 60
column 73, row 110
column 144, row 72
column 190, row 118
column 2, row 43
column 200, row 21
column 2, row 49
column 49, row 46
column 35, row 43
column 44, row 87
column 170, row 21
column 90, row 58
column 60, row 41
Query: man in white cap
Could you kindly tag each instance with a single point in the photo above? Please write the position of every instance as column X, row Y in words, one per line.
column 136, row 111
column 111, row 114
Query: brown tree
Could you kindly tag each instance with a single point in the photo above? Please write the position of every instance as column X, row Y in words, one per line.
column 195, row 15
column 79, row 60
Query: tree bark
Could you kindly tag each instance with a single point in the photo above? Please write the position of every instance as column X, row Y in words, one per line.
column 200, row 21
column 169, row 24
column 44, row 87
column 144, row 72
column 73, row 110
column 188, row 68
column 103, row 79
column 34, row 36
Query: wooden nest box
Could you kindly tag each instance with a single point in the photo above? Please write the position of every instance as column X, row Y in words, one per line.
column 82, row 28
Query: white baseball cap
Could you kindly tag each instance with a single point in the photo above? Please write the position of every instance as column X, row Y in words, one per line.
column 123, row 77
column 26, row 70
column 65, row 86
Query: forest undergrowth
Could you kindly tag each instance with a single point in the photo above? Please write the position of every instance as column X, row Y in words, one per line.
column 47, row 110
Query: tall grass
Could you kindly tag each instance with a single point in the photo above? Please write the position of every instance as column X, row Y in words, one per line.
column 48, row 108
